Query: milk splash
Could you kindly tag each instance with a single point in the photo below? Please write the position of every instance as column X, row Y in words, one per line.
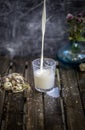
column 43, row 33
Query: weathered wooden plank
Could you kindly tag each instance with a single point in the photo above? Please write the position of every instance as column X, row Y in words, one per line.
column 73, row 106
column 14, row 103
column 34, row 106
column 28, row 114
column 32, row 110
column 13, row 114
column 53, row 109
column 3, row 123
column 61, row 97
column 81, row 85
column 4, row 62
column 53, row 114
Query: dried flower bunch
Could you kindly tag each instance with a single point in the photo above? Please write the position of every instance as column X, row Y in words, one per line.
column 14, row 82
column 76, row 26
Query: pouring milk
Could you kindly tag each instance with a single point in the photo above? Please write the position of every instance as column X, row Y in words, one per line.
column 44, row 78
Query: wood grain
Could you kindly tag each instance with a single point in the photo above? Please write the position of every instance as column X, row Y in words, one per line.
column 4, row 63
column 32, row 110
column 74, row 111
column 81, row 86
column 53, row 109
column 35, row 117
column 14, row 103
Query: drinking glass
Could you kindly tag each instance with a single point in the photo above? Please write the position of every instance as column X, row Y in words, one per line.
column 44, row 78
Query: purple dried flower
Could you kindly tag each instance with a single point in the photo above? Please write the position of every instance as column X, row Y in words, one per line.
column 69, row 16
column 80, row 15
column 76, row 25
column 78, row 19
column 83, row 14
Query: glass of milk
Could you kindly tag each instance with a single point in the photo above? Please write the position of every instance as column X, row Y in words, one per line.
column 44, row 78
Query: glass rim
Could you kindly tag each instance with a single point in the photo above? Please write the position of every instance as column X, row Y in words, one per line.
column 50, row 59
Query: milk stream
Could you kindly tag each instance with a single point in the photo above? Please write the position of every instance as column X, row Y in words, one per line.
column 43, row 33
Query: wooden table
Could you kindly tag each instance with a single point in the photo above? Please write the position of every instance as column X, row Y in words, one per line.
column 31, row 110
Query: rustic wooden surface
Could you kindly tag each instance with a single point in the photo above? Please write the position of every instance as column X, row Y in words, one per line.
column 31, row 110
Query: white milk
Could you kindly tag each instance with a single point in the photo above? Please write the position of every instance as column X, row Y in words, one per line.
column 43, row 32
column 44, row 79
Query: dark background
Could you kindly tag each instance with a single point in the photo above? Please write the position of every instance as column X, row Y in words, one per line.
column 20, row 26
